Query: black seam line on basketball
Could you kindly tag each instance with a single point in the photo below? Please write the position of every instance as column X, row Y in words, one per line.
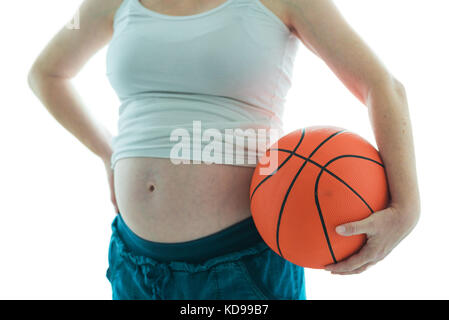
column 291, row 186
column 341, row 156
column 334, row 175
column 323, row 224
column 282, row 164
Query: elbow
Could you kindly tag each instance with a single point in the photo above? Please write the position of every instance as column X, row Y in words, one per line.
column 399, row 88
column 32, row 77
column 30, row 80
column 387, row 86
column 37, row 75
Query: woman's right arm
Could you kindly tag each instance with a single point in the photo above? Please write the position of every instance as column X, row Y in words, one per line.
column 60, row 61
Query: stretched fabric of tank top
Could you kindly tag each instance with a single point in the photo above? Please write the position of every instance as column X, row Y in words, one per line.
column 229, row 68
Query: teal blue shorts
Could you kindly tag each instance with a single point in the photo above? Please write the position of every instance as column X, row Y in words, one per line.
column 211, row 268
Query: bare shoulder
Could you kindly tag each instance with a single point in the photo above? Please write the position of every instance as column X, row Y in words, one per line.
column 100, row 9
column 313, row 13
column 311, row 20
column 70, row 48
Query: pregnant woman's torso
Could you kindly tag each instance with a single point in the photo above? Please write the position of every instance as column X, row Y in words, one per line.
column 164, row 202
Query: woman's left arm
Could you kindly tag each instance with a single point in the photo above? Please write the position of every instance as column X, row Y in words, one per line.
column 320, row 26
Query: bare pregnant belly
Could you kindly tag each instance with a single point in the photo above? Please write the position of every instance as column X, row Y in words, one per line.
column 164, row 202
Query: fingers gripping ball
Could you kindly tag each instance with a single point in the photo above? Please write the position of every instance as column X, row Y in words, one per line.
column 308, row 183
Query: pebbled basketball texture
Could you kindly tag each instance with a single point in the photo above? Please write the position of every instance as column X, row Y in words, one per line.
column 310, row 181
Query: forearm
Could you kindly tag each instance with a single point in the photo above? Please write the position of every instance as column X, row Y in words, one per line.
column 63, row 102
column 390, row 119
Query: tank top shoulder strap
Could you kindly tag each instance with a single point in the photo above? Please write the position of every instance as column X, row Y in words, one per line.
column 264, row 10
column 123, row 11
column 259, row 9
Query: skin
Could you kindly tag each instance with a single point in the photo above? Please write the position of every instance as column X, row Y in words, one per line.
column 211, row 197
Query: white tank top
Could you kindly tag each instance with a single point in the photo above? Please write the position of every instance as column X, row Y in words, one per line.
column 178, row 76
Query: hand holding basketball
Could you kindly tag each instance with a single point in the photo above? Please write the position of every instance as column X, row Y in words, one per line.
column 384, row 230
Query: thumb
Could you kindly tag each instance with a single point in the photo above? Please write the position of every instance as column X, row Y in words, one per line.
column 357, row 227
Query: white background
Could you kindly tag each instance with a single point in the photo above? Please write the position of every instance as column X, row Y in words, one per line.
column 55, row 213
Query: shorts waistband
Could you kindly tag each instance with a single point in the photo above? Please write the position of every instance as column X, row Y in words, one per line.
column 236, row 237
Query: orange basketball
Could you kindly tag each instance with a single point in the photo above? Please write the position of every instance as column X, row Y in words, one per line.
column 311, row 181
